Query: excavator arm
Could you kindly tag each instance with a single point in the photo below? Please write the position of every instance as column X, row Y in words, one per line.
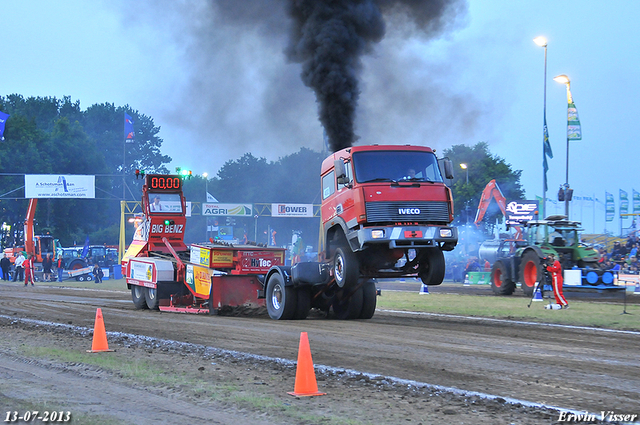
column 29, row 243
column 491, row 190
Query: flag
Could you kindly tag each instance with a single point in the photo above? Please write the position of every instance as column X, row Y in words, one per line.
column 3, row 120
column 129, row 133
column 610, row 206
column 211, row 198
column 547, row 152
column 85, row 248
column 574, row 130
column 624, row 202
column 636, row 202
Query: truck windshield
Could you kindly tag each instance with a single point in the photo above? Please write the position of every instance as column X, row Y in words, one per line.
column 396, row 166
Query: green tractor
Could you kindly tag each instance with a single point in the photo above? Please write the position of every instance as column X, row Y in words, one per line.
column 522, row 259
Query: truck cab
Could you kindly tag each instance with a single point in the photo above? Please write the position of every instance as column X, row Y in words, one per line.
column 386, row 212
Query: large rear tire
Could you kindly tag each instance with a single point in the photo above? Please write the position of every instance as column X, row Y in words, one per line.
column 303, row 305
column 433, row 267
column 530, row 272
column 281, row 299
column 348, row 305
column 151, row 298
column 138, row 298
column 501, row 284
column 369, row 299
column 346, row 269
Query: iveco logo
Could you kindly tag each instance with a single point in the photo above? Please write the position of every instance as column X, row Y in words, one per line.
column 412, row 211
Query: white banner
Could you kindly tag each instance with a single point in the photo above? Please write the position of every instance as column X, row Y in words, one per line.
column 291, row 210
column 59, row 186
column 236, row 210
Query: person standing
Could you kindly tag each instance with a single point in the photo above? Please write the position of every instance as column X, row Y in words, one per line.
column 556, row 281
column 28, row 270
column 5, row 265
column 97, row 273
column 18, row 273
column 47, row 264
column 60, row 266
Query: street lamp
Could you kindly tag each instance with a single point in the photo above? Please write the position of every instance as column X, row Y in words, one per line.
column 563, row 79
column 465, row 167
column 542, row 42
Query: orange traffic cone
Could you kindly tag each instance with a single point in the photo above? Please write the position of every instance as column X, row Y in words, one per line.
column 306, row 384
column 99, row 343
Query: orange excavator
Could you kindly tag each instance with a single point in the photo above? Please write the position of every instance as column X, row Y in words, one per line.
column 492, row 191
column 36, row 246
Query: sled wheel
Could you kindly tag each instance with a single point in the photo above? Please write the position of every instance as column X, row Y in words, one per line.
column 137, row 296
column 151, row 298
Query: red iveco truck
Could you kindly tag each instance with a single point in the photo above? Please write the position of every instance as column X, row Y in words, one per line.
column 386, row 212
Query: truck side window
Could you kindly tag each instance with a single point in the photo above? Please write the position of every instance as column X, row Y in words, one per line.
column 328, row 185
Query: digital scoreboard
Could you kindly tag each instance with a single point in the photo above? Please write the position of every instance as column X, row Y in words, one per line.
column 159, row 183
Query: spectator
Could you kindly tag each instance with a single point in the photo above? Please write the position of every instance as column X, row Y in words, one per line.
column 47, row 264
column 60, row 266
column 97, row 273
column 18, row 273
column 487, row 266
column 5, row 265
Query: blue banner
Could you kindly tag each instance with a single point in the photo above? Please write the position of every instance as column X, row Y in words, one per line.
column 3, row 120
column 129, row 133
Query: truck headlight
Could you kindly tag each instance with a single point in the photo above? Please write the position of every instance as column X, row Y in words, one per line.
column 377, row 234
column 445, row 233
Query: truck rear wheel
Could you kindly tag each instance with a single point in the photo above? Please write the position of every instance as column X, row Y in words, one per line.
column 137, row 296
column 281, row 299
column 369, row 299
column 151, row 298
column 432, row 273
column 530, row 272
column 348, row 305
column 345, row 267
column 303, row 298
column 501, row 284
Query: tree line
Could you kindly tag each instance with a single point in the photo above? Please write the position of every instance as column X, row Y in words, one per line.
column 47, row 135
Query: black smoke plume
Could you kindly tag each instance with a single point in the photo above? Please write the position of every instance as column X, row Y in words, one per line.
column 329, row 38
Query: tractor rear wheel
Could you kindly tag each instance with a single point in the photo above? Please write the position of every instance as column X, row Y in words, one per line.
column 137, row 296
column 530, row 272
column 501, row 284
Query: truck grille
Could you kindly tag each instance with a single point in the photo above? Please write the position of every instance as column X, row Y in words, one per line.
column 378, row 212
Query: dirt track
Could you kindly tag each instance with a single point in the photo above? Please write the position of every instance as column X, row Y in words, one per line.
column 579, row 369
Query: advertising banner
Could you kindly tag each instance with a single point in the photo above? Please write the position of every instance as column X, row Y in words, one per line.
column 636, row 202
column 519, row 211
column 291, row 210
column 624, row 202
column 235, row 210
column 59, row 186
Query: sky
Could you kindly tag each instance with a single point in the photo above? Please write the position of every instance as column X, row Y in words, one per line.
column 214, row 77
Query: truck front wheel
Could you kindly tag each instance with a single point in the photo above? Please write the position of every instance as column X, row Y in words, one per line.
column 137, row 296
column 281, row 299
column 432, row 267
column 345, row 267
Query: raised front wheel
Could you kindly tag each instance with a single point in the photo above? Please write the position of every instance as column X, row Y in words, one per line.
column 432, row 267
column 530, row 272
column 345, row 267
column 281, row 299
